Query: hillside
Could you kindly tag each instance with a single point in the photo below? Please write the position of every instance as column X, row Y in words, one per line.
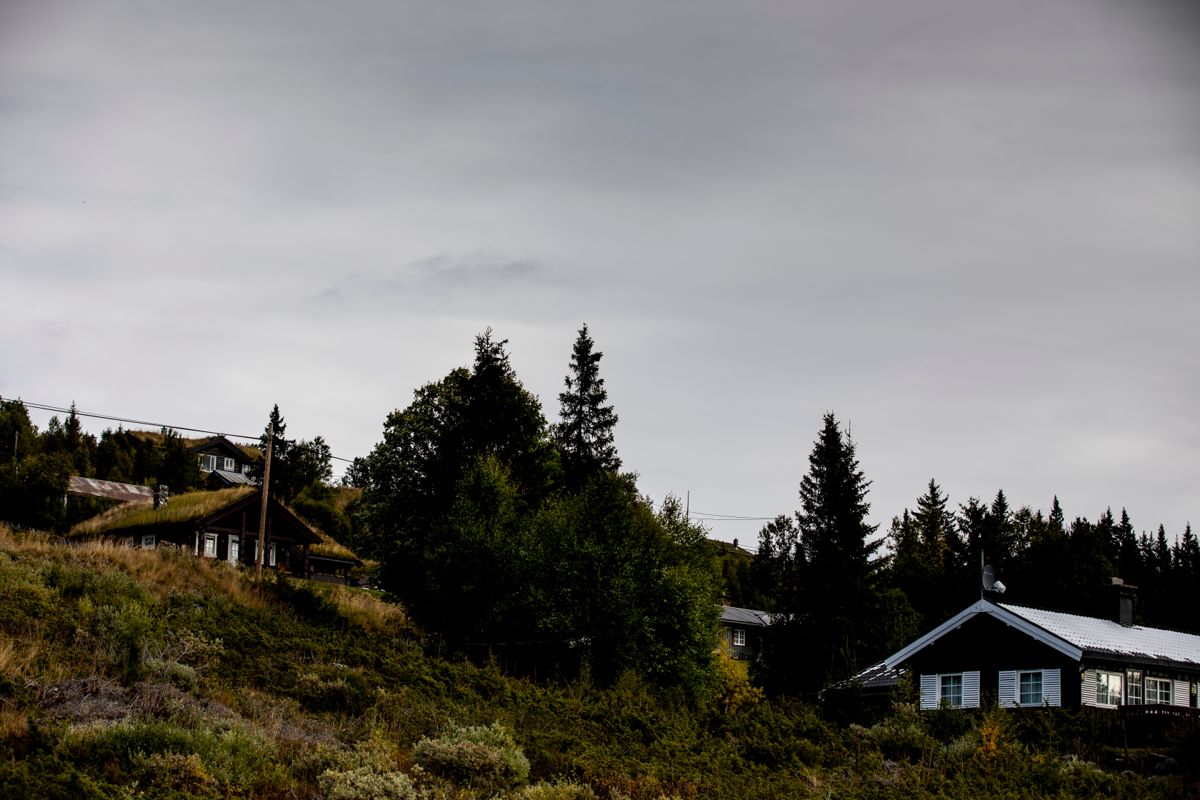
column 129, row 673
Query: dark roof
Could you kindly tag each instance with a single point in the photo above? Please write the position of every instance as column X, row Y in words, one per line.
column 732, row 615
column 878, row 676
column 1073, row 636
column 240, row 452
column 111, row 490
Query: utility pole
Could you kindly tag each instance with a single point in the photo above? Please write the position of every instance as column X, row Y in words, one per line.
column 262, row 517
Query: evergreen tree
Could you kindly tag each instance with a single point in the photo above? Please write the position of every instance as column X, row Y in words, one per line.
column 280, row 447
column 585, row 433
column 836, row 610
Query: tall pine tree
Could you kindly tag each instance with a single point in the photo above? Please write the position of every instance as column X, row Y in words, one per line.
column 585, row 433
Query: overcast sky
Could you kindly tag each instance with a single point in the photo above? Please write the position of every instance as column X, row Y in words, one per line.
column 970, row 229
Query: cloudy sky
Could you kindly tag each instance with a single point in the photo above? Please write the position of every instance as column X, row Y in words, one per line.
column 970, row 229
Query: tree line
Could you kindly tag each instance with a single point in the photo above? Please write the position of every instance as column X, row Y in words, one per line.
column 510, row 536
column 843, row 597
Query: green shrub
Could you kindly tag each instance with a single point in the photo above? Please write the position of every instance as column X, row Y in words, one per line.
column 483, row 756
column 364, row 782
column 559, row 790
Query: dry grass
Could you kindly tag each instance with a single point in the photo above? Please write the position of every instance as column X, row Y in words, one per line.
column 17, row 659
column 181, row 508
column 366, row 610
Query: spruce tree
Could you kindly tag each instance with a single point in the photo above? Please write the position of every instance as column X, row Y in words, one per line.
column 834, row 617
column 585, row 433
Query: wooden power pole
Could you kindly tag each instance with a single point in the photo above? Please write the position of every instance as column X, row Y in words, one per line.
column 266, row 486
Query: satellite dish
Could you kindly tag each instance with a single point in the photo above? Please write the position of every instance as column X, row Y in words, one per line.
column 990, row 584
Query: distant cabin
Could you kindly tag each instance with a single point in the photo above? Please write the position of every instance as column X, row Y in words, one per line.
column 224, row 525
column 742, row 631
column 223, row 463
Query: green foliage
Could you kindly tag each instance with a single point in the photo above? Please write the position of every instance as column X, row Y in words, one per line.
column 491, row 550
column 585, row 433
column 826, row 586
column 484, row 757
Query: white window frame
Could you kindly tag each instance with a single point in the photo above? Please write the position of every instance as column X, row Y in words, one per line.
column 233, row 548
column 1106, row 693
column 948, row 699
column 230, row 465
column 739, row 637
column 1134, row 687
column 148, row 540
column 208, row 463
column 1157, row 689
column 1026, row 693
column 269, row 558
column 210, row 545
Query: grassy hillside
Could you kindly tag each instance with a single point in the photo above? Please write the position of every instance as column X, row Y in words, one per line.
column 130, row 674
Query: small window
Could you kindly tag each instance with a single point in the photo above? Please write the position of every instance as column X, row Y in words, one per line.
column 148, row 540
column 229, row 465
column 1031, row 688
column 739, row 637
column 1108, row 688
column 951, row 691
column 208, row 463
column 1133, row 687
column 271, row 554
column 1158, row 690
column 210, row 545
column 234, row 548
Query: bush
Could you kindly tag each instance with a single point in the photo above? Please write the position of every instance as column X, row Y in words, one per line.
column 559, row 790
column 483, row 756
column 365, row 782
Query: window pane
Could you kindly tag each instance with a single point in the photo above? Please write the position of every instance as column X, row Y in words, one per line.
column 1031, row 688
column 951, row 691
column 1158, row 690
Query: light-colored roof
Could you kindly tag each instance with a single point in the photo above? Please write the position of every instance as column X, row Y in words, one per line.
column 733, row 615
column 125, row 492
column 1110, row 638
column 1072, row 635
column 235, row 478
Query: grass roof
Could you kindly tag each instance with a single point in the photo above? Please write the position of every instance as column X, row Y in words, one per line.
column 180, row 508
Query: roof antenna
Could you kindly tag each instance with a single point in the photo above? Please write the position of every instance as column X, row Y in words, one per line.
column 990, row 584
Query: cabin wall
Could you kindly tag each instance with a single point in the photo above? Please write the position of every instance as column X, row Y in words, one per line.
column 983, row 649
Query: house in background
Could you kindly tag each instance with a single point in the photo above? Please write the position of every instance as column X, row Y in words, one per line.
column 223, row 463
column 1027, row 657
column 742, row 631
column 221, row 525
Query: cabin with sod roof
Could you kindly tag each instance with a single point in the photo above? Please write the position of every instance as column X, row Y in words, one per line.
column 220, row 524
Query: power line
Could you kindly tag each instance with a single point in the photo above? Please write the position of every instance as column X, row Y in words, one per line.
column 728, row 517
column 111, row 418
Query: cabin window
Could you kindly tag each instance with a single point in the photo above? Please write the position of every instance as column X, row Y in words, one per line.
column 234, row 548
column 229, row 465
column 1158, row 690
column 148, row 540
column 210, row 545
column 208, row 463
column 1031, row 688
column 950, row 691
column 1108, row 688
column 1133, row 687
column 739, row 637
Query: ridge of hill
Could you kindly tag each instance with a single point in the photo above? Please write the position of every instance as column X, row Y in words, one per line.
column 129, row 673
